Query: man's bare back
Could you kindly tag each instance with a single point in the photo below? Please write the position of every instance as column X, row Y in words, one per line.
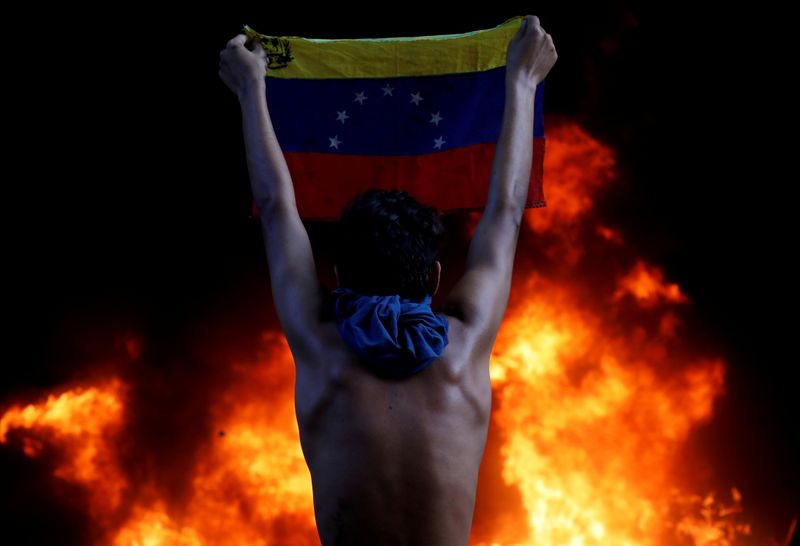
column 394, row 462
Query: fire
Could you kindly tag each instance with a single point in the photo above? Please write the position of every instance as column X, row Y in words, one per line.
column 154, row 526
column 592, row 419
column 646, row 284
column 595, row 393
column 80, row 423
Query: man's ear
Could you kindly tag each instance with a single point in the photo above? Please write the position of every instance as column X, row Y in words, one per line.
column 436, row 276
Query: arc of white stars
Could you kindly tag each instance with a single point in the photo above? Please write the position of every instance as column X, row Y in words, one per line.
column 439, row 141
column 415, row 98
column 341, row 116
column 334, row 142
column 436, row 118
column 360, row 98
column 387, row 90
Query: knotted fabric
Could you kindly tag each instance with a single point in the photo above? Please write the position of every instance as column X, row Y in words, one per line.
column 396, row 337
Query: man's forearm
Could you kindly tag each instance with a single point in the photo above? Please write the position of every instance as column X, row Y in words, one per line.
column 511, row 167
column 270, row 179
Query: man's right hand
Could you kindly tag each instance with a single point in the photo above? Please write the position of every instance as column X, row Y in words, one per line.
column 531, row 53
column 242, row 65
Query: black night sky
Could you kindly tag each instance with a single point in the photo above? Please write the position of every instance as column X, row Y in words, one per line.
column 127, row 199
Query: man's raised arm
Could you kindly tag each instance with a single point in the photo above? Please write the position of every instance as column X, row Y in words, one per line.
column 295, row 289
column 242, row 69
column 529, row 57
column 481, row 296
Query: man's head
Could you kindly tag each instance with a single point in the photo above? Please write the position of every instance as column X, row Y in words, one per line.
column 387, row 244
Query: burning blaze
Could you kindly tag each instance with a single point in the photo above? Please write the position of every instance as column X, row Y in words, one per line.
column 80, row 423
column 593, row 415
column 595, row 394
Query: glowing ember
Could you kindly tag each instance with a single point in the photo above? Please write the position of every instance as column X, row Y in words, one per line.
column 594, row 397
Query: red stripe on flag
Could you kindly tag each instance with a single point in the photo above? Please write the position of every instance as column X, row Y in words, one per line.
column 455, row 180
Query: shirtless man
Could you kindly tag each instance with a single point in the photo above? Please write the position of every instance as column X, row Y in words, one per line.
column 394, row 462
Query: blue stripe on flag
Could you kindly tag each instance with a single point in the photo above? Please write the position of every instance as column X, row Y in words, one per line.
column 391, row 116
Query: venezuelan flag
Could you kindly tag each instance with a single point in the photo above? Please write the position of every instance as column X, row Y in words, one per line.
column 422, row 114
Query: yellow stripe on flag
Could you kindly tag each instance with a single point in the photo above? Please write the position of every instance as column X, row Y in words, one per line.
column 315, row 58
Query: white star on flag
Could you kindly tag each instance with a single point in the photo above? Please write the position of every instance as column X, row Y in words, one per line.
column 387, row 90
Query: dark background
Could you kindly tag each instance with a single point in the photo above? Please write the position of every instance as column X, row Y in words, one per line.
column 127, row 199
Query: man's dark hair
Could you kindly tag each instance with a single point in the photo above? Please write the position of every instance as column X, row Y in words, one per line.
column 387, row 243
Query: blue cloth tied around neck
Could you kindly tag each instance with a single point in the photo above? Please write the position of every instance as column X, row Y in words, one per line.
column 397, row 337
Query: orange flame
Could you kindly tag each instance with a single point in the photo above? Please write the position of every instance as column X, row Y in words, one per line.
column 646, row 285
column 592, row 423
column 82, row 424
column 592, row 404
